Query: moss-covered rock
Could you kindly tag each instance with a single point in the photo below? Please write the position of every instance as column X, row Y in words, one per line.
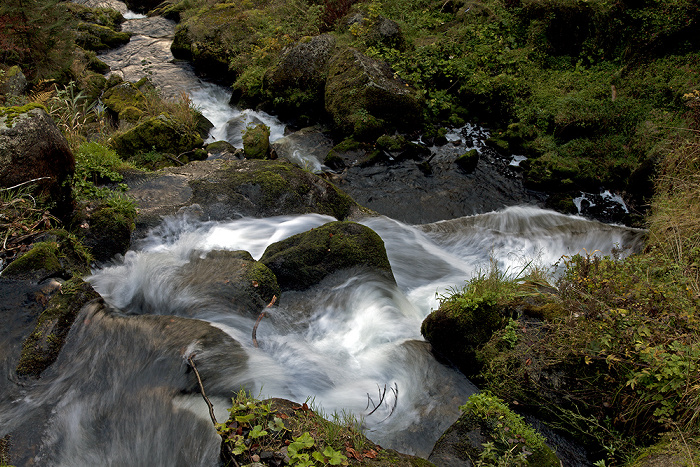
column 55, row 253
column 107, row 17
column 299, row 77
column 305, row 259
column 359, row 87
column 106, row 229
column 42, row 347
column 468, row 161
column 162, row 133
column 675, row 449
column 268, row 188
column 256, row 142
column 13, row 82
column 122, row 96
column 96, row 37
column 460, row 326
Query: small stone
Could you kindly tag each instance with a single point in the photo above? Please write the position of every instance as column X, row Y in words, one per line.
column 255, row 458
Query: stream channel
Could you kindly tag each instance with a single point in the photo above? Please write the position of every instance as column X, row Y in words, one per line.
column 119, row 393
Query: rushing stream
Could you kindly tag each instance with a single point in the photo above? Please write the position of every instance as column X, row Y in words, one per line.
column 121, row 392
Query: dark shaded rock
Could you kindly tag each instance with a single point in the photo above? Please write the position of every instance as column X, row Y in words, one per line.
column 142, row 6
column 363, row 92
column 305, row 259
column 232, row 277
column 222, row 150
column 456, row 331
column 464, row 441
column 380, row 30
column 41, row 348
column 468, row 161
column 105, row 230
column 32, row 147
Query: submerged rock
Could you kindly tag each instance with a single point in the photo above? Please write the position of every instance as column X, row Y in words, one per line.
column 305, row 259
column 233, row 278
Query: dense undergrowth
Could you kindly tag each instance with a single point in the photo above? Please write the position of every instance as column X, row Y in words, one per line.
column 615, row 360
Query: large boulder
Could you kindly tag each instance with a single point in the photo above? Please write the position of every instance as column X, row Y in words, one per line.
column 33, row 148
column 162, row 133
column 300, row 75
column 97, row 37
column 305, row 259
column 224, row 189
column 360, row 90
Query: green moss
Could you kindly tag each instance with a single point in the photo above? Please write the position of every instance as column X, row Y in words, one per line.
column 468, row 160
column 39, row 262
column 43, row 345
column 122, row 96
column 264, row 280
column 162, row 133
column 10, row 114
column 96, row 37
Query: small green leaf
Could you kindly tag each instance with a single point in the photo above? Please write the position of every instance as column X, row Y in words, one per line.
column 257, row 432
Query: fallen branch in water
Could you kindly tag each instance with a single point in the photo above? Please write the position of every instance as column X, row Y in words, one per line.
column 255, row 328
column 382, row 399
column 201, row 388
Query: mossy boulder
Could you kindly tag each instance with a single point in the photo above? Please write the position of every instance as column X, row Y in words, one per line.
column 124, row 95
column 33, row 148
column 360, row 89
column 487, row 419
column 674, row 449
column 96, row 37
column 468, row 161
column 162, row 133
column 298, row 79
column 55, row 253
column 268, row 188
column 305, row 259
column 460, row 326
column 106, row 229
column 42, row 347
column 256, row 142
column 233, row 278
column 107, row 17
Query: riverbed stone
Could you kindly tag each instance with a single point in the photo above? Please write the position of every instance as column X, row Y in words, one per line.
column 256, row 142
column 13, row 82
column 306, row 258
column 97, row 37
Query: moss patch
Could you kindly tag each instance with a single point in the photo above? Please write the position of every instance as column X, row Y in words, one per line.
column 42, row 347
